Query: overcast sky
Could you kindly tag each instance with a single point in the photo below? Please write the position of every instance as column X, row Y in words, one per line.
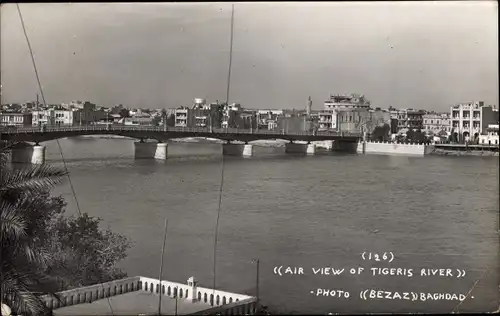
column 422, row 55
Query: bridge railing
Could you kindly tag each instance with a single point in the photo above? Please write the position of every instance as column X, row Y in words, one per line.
column 125, row 128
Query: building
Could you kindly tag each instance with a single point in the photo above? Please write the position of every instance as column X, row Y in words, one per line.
column 435, row 123
column 491, row 136
column 201, row 113
column 15, row 119
column 43, row 117
column 230, row 115
column 141, row 296
column 268, row 119
column 472, row 119
column 294, row 124
column 327, row 120
column 309, row 107
column 183, row 117
column 407, row 119
column 414, row 119
column 345, row 113
column 138, row 120
column 346, row 100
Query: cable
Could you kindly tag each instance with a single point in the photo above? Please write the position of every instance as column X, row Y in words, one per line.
column 222, row 160
column 59, row 145
column 45, row 105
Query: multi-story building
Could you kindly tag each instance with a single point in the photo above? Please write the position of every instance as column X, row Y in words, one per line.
column 414, row 119
column 435, row 123
column 43, row 117
column 346, row 100
column 201, row 113
column 347, row 113
column 268, row 119
column 471, row 119
column 407, row 119
column 183, row 117
column 15, row 119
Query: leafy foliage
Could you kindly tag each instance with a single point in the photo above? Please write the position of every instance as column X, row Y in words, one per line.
column 43, row 251
column 416, row 136
column 381, row 133
column 22, row 224
column 83, row 254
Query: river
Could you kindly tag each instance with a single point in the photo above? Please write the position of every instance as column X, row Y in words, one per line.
column 299, row 211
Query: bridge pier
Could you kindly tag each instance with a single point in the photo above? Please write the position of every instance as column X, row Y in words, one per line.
column 350, row 147
column 245, row 150
column 28, row 154
column 294, row 148
column 150, row 150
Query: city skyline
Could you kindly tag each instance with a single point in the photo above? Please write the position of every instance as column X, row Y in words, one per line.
column 163, row 55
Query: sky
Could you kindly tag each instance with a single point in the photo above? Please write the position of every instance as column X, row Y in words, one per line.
column 425, row 55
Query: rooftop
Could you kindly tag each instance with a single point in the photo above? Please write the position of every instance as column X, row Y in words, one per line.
column 133, row 303
column 140, row 296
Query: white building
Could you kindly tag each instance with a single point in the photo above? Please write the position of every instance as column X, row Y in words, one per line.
column 471, row 119
column 347, row 112
column 491, row 137
column 268, row 119
column 55, row 117
column 15, row 119
column 434, row 123
column 182, row 117
column 43, row 117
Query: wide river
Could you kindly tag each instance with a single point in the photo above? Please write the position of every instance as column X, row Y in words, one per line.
column 299, row 211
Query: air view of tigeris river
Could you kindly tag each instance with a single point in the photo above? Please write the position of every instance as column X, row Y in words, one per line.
column 300, row 211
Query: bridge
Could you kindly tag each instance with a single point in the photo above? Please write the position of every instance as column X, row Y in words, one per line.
column 35, row 153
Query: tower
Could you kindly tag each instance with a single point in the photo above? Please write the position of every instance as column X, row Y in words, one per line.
column 309, row 106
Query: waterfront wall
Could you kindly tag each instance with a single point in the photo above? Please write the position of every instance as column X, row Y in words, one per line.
column 221, row 300
column 477, row 153
column 386, row 148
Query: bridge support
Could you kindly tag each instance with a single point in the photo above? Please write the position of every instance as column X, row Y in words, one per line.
column 151, row 150
column 28, row 154
column 245, row 150
column 294, row 148
column 349, row 147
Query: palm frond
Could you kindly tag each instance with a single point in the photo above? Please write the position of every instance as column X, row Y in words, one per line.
column 17, row 291
column 32, row 178
column 12, row 222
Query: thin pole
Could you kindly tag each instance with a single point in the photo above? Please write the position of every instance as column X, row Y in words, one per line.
column 257, row 281
column 161, row 266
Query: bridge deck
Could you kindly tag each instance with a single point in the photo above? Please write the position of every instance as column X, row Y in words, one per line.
column 45, row 133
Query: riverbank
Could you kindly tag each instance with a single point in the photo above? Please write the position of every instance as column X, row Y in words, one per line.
column 475, row 153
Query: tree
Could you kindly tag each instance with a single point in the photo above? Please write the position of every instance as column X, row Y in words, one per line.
column 124, row 113
column 83, row 254
column 217, row 114
column 416, row 136
column 170, row 120
column 381, row 133
column 43, row 251
column 22, row 224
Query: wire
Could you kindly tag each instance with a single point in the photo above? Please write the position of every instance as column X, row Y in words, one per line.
column 59, row 145
column 45, row 105
column 222, row 160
